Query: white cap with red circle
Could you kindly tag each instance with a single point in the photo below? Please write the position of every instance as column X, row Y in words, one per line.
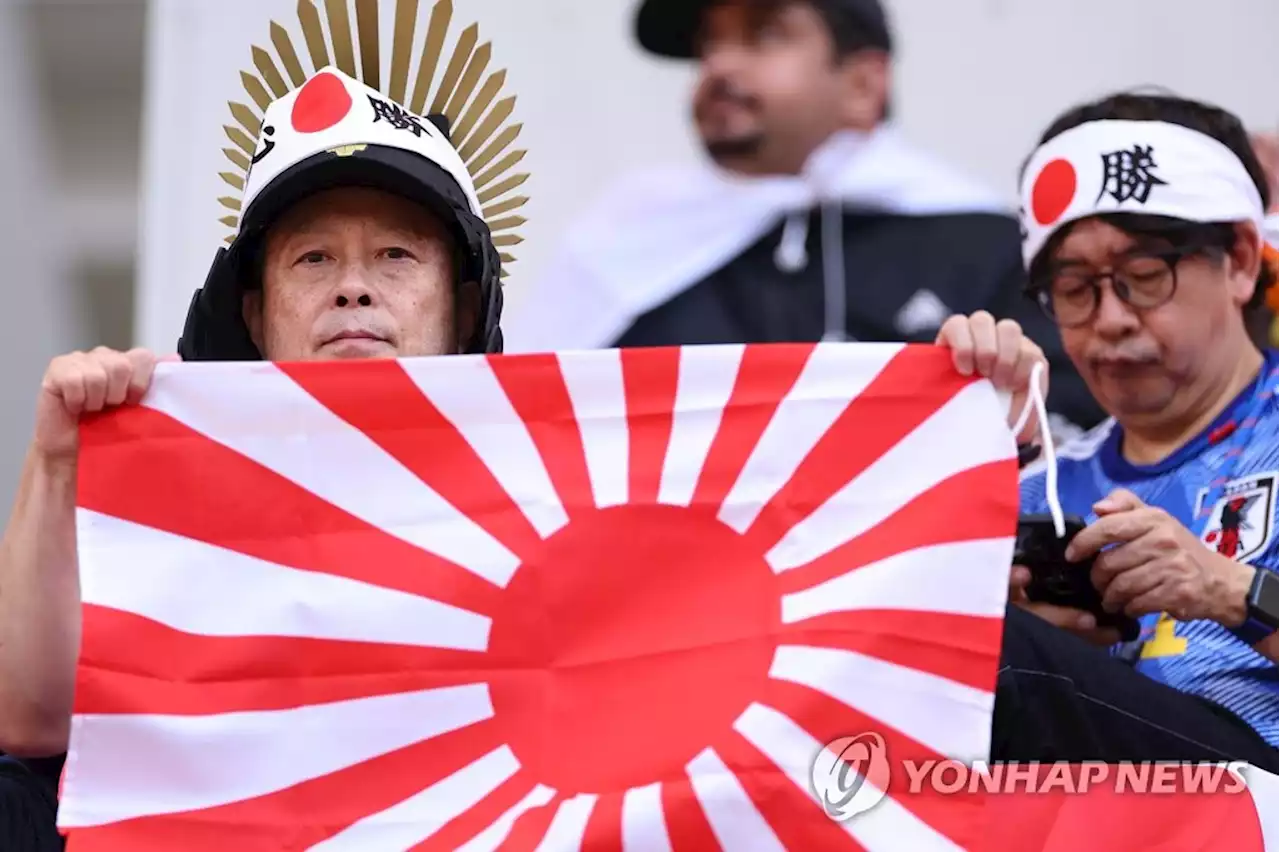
column 1148, row 167
column 334, row 112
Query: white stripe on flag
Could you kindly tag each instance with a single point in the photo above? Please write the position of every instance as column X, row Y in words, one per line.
column 569, row 826
column 920, row 579
column 703, row 388
column 469, row 395
column 834, row 375
column 951, row 718
column 887, row 827
column 198, row 588
column 1264, row 787
column 598, row 396
column 644, row 826
column 263, row 414
column 126, row 766
column 408, row 823
column 729, row 810
column 491, row 838
column 917, row 463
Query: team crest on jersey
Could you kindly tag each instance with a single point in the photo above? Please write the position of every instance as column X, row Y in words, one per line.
column 1240, row 523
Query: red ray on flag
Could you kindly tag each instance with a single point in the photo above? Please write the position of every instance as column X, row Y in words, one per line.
column 597, row 600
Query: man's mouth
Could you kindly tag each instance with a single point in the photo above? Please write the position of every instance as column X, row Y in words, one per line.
column 357, row 343
column 356, row 334
column 1122, row 365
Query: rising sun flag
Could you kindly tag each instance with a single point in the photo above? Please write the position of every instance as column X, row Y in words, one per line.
column 596, row 600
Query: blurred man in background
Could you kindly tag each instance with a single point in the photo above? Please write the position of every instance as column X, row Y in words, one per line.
column 819, row 222
column 1267, row 148
column 1265, row 325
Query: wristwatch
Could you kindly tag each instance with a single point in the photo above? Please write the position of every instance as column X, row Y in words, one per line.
column 1263, row 603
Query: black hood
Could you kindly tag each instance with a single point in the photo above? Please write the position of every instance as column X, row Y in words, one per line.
column 215, row 329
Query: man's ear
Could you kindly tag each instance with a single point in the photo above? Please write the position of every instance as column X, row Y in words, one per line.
column 251, row 311
column 1244, row 263
column 467, row 312
column 865, row 79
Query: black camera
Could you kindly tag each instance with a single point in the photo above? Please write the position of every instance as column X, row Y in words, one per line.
column 1056, row 581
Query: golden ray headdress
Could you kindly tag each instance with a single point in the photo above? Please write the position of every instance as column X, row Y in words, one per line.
column 481, row 134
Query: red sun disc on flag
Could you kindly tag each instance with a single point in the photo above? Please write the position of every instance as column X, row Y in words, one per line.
column 597, row 600
column 672, row 632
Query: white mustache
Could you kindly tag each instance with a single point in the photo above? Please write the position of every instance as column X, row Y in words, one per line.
column 1124, row 357
column 354, row 324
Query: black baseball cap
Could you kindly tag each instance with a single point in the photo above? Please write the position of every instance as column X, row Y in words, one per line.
column 669, row 28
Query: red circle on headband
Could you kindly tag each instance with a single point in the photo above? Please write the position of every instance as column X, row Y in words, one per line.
column 1054, row 189
column 321, row 104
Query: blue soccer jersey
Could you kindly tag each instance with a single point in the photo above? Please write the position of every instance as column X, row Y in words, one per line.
column 1222, row 486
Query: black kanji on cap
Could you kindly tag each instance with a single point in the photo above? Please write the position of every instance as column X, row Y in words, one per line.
column 670, row 27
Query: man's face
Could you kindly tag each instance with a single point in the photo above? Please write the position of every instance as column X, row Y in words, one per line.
column 770, row 89
column 1153, row 364
column 358, row 273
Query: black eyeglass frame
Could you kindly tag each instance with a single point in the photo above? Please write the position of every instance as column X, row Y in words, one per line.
column 1039, row 289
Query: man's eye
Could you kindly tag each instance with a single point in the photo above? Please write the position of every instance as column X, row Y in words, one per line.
column 1146, row 268
column 311, row 258
column 1067, row 285
column 768, row 26
column 397, row 253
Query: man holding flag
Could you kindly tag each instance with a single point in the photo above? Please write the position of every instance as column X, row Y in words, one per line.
column 813, row 218
column 378, row 252
column 361, row 238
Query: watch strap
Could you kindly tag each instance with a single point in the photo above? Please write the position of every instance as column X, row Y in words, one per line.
column 1262, row 604
column 1253, row 631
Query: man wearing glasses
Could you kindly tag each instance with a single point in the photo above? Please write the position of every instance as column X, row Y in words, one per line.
column 1142, row 220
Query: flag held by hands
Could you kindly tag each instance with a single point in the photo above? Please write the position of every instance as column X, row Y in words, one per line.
column 589, row 600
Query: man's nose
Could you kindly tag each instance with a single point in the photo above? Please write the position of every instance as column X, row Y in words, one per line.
column 364, row 300
column 1114, row 318
column 353, row 290
column 722, row 60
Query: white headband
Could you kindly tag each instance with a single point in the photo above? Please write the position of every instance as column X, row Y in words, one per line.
column 1132, row 167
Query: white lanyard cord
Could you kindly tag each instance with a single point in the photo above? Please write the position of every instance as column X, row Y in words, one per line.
column 1035, row 401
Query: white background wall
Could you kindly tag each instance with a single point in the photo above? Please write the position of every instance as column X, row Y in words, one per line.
column 976, row 80
column 980, row 79
column 71, row 83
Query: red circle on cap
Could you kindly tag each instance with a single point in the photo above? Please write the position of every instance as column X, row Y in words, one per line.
column 1053, row 191
column 321, row 104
